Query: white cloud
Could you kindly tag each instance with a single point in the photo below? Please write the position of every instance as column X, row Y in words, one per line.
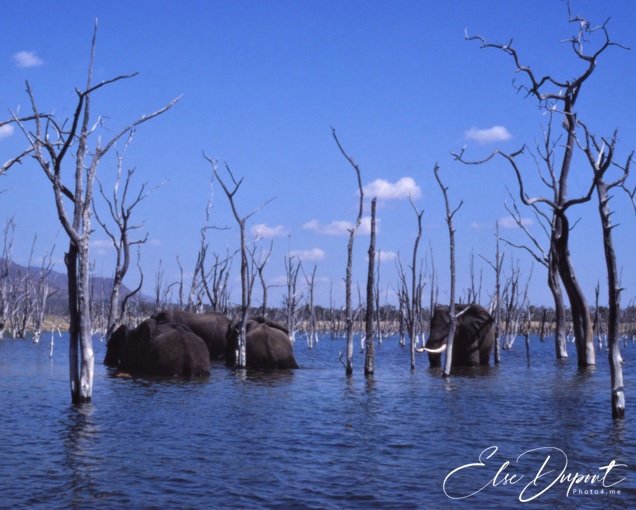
column 493, row 134
column 401, row 190
column 386, row 256
column 340, row 228
column 6, row 130
column 509, row 222
column 313, row 254
column 27, row 59
column 365, row 225
column 335, row 228
column 101, row 243
column 264, row 231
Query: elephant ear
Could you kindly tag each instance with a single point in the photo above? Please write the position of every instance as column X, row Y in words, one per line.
column 476, row 322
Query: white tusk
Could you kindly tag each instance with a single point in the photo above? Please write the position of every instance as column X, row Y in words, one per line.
column 432, row 351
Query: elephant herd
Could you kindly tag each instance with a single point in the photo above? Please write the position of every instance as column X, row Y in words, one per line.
column 179, row 343
column 174, row 342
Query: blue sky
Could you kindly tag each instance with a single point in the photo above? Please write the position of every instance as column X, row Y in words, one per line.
column 263, row 82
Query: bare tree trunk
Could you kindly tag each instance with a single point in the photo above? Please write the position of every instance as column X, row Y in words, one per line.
column 451, row 233
column 291, row 299
column 413, row 308
column 312, row 335
column 349, row 277
column 600, row 164
column 49, row 143
column 560, row 329
column 496, row 308
column 614, row 347
column 581, row 318
column 120, row 212
column 70, row 259
column 246, row 280
column 369, row 360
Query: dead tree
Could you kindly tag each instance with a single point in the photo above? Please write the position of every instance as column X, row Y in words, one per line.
column 49, row 142
column 246, row 276
column 600, row 155
column 548, row 259
column 369, row 359
column 414, row 307
column 5, row 281
column 378, row 311
column 473, row 294
column 217, row 283
column 559, row 97
column 434, row 297
column 496, row 301
column 259, row 264
column 451, row 234
column 312, row 334
column 293, row 297
column 206, row 283
column 41, row 292
column 348, row 277
column 120, row 210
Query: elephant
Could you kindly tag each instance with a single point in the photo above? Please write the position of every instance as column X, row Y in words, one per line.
column 474, row 336
column 211, row 327
column 267, row 345
column 158, row 349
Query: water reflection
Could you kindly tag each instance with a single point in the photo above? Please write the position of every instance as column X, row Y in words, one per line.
column 80, row 434
column 262, row 377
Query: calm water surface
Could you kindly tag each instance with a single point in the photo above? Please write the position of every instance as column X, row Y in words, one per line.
column 314, row 438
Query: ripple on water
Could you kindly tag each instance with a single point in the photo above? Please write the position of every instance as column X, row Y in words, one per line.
column 310, row 438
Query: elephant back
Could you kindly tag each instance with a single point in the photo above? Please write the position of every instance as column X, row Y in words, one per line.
column 176, row 350
column 267, row 345
column 211, row 327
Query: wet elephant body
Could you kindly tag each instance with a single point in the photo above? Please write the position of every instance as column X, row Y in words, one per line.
column 268, row 345
column 211, row 327
column 474, row 336
column 158, row 349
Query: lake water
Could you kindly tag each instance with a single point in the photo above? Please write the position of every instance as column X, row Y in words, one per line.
column 315, row 438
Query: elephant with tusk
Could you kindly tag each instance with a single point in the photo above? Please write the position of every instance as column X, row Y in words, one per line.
column 474, row 336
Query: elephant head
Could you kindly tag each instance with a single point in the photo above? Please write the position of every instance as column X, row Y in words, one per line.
column 267, row 345
column 158, row 349
column 211, row 327
column 473, row 340
column 115, row 346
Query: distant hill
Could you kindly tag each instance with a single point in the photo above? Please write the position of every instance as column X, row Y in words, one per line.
column 58, row 282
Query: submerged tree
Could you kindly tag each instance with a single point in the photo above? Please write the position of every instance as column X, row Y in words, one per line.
column 600, row 156
column 121, row 209
column 411, row 301
column 450, row 213
column 247, row 279
column 348, row 278
column 547, row 257
column 369, row 359
column 50, row 141
column 559, row 97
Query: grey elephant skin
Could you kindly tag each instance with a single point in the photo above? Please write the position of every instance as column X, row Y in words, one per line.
column 158, row 349
column 267, row 345
column 211, row 327
column 474, row 335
